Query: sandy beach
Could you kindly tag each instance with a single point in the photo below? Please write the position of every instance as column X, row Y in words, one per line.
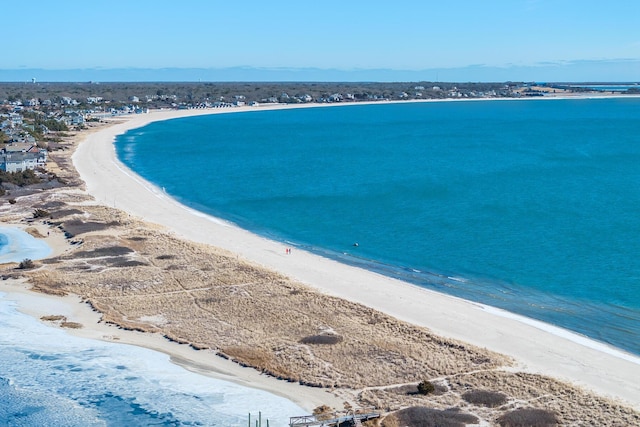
column 535, row 347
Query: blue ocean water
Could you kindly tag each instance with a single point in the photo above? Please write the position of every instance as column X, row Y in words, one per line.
column 49, row 378
column 531, row 206
column 609, row 88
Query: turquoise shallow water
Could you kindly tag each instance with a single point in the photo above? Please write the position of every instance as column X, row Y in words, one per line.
column 531, row 206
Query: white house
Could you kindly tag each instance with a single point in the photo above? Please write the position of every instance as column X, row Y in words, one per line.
column 21, row 161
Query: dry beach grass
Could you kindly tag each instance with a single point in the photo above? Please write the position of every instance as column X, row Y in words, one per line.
column 141, row 276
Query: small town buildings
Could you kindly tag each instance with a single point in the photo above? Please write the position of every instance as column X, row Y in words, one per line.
column 20, row 157
column 65, row 100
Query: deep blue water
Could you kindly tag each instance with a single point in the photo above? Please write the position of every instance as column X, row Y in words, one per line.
column 531, row 206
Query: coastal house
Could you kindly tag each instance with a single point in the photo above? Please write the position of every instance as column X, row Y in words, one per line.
column 65, row 100
column 17, row 162
column 25, row 147
column 12, row 160
column 15, row 120
column 72, row 118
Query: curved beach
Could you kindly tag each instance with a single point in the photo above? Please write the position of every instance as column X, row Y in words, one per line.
column 537, row 347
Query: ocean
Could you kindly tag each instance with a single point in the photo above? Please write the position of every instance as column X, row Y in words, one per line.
column 526, row 205
column 49, row 378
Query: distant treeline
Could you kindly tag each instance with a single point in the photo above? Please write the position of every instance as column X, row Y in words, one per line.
column 163, row 93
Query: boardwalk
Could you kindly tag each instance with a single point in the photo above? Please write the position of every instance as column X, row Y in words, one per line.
column 353, row 420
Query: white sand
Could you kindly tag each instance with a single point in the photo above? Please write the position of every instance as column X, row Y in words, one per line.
column 537, row 347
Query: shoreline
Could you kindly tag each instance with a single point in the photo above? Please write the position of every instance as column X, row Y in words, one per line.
column 204, row 363
column 537, row 347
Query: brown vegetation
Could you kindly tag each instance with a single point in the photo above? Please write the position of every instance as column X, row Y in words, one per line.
column 528, row 417
column 61, row 321
column 53, row 318
column 420, row 416
column 487, row 398
column 71, row 325
column 26, row 264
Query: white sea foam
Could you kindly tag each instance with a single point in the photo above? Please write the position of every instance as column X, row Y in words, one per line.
column 564, row 333
column 100, row 383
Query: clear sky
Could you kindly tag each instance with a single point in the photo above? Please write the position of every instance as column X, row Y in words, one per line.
column 408, row 35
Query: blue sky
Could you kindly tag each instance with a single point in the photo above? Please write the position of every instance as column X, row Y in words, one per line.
column 585, row 37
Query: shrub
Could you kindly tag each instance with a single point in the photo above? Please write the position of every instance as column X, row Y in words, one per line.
column 53, row 318
column 321, row 339
column 426, row 387
column 71, row 325
column 419, row 416
column 21, row 179
column 528, row 417
column 323, row 412
column 40, row 213
column 110, row 251
column 487, row 398
column 26, row 264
